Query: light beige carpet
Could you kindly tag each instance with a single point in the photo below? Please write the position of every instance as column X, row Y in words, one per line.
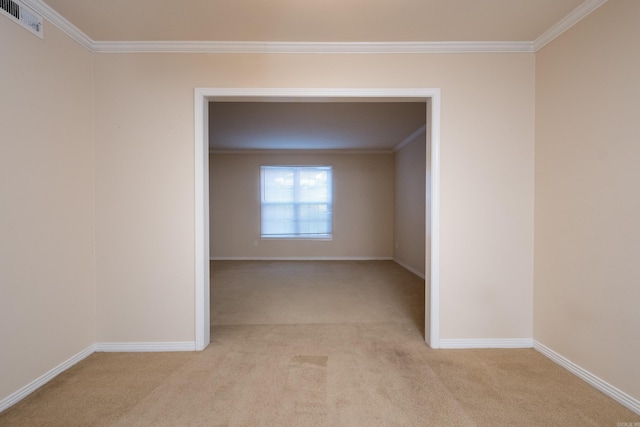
column 309, row 369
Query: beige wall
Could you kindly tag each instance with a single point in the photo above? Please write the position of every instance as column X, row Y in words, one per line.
column 410, row 205
column 587, row 207
column 144, row 179
column 144, row 199
column 362, row 207
column 586, row 212
column 142, row 280
column 47, row 273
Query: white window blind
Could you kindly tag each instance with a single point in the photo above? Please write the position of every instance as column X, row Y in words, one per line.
column 296, row 202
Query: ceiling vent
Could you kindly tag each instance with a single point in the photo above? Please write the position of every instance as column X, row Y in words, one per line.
column 21, row 14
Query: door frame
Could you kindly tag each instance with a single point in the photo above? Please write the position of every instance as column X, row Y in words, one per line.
column 202, row 97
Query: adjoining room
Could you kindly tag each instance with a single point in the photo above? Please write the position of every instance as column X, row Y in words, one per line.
column 350, row 249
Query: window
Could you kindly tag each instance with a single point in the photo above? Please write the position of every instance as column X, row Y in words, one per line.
column 296, row 202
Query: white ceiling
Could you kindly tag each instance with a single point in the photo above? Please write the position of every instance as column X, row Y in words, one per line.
column 314, row 20
column 313, row 125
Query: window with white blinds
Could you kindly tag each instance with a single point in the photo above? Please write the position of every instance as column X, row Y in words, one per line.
column 296, row 202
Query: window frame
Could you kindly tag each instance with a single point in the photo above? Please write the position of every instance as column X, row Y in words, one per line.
column 296, row 204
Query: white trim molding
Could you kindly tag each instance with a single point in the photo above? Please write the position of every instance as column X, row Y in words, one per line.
column 14, row 398
column 60, row 22
column 144, row 347
column 266, row 47
column 302, row 151
column 616, row 394
column 422, row 129
column 409, row 268
column 567, row 22
column 453, row 343
column 312, row 258
column 201, row 221
column 433, row 140
column 203, row 95
column 310, row 47
column 128, row 347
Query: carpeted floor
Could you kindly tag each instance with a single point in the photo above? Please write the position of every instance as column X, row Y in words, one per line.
column 286, row 353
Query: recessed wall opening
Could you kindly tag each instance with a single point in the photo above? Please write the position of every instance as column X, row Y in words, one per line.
column 238, row 132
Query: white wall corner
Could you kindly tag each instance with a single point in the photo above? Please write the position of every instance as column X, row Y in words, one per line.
column 14, row 398
column 144, row 347
column 606, row 388
column 486, row 343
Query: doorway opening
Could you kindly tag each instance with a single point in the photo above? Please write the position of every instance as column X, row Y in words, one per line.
column 203, row 96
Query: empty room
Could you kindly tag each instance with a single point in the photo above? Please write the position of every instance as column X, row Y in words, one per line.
column 323, row 195
column 167, row 261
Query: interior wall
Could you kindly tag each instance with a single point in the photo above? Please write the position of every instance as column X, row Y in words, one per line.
column 587, row 206
column 362, row 207
column 47, row 265
column 144, row 127
column 409, row 246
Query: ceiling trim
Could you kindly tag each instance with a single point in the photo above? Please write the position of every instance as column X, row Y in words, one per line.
column 422, row 129
column 79, row 36
column 567, row 22
column 59, row 21
column 311, row 47
column 298, row 151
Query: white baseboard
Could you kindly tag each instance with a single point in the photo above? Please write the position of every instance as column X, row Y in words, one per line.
column 321, row 258
column 14, row 398
column 148, row 347
column 411, row 269
column 486, row 343
column 611, row 391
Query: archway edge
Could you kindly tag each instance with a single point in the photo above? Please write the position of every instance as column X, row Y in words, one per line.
column 202, row 97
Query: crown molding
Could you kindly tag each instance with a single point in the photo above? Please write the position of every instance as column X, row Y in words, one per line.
column 330, row 151
column 567, row 22
column 59, row 21
column 76, row 34
column 422, row 129
column 312, row 47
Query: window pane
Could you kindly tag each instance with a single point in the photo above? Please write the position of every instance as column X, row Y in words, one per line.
column 296, row 201
column 314, row 185
column 277, row 185
column 278, row 219
column 314, row 219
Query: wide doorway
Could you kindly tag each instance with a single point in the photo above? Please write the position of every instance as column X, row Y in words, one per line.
column 321, row 266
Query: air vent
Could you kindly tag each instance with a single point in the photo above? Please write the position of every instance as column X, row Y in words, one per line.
column 22, row 15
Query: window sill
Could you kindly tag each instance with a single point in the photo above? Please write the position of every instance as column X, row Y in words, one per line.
column 314, row 239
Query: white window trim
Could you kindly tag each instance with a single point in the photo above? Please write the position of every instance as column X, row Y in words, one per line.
column 294, row 236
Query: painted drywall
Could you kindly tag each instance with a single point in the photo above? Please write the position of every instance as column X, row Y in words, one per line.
column 410, row 205
column 587, row 234
column 362, row 207
column 47, row 267
column 144, row 131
